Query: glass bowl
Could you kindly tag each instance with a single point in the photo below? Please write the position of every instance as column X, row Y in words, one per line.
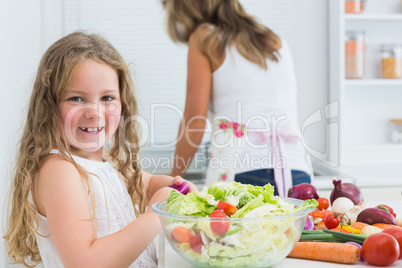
column 249, row 242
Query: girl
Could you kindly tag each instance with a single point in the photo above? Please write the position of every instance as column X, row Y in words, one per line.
column 70, row 207
column 243, row 72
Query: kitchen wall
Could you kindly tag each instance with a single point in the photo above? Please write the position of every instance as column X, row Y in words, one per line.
column 26, row 32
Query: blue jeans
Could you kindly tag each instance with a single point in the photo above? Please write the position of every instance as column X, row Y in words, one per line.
column 260, row 177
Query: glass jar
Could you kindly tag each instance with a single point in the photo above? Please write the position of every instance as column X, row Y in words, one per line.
column 391, row 61
column 354, row 54
column 354, row 6
column 396, row 130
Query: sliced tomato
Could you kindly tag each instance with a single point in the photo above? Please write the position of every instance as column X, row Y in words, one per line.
column 320, row 214
column 219, row 226
column 229, row 209
column 196, row 243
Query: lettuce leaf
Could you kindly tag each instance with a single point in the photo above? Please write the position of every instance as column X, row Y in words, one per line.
column 189, row 205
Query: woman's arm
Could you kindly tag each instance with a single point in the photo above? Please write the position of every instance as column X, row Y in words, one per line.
column 63, row 198
column 191, row 130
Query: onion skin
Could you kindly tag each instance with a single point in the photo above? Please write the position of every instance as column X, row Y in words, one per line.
column 309, row 225
column 376, row 215
column 182, row 188
column 348, row 190
column 303, row 191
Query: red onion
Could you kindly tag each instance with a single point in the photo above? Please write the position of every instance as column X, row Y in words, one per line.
column 348, row 190
column 303, row 191
column 182, row 188
column 360, row 248
column 309, row 225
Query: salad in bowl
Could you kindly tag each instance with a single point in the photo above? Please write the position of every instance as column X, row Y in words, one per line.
column 231, row 224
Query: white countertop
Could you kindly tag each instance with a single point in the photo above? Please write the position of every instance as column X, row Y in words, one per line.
column 168, row 258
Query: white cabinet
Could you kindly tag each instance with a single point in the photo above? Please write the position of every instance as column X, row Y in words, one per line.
column 365, row 105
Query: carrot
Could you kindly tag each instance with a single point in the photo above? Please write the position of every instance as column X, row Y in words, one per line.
column 326, row 251
column 181, row 234
column 358, row 225
column 383, row 225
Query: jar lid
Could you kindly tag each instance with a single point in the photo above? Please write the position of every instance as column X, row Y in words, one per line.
column 355, row 35
column 395, row 49
column 397, row 121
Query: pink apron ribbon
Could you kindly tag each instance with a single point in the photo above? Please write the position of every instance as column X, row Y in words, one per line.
column 283, row 175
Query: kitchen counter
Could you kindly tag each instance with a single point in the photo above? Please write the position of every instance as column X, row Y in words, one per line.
column 168, row 258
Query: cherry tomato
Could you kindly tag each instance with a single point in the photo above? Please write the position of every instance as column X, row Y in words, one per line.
column 332, row 220
column 389, row 209
column 396, row 232
column 196, row 243
column 323, row 203
column 219, row 226
column 380, row 249
column 229, row 209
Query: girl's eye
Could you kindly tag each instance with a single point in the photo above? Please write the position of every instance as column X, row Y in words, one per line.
column 75, row 99
column 107, row 98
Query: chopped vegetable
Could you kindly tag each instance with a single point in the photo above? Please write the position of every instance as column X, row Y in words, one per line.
column 181, row 234
column 219, row 227
column 229, row 209
column 196, row 243
column 309, row 225
column 323, row 251
column 224, row 243
column 182, row 188
column 376, row 215
column 369, row 230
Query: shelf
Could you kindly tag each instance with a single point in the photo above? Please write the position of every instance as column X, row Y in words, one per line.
column 374, row 17
column 373, row 82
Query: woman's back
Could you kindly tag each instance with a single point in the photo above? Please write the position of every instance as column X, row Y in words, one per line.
column 261, row 99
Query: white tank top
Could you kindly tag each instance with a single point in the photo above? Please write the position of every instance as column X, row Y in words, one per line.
column 245, row 93
column 113, row 207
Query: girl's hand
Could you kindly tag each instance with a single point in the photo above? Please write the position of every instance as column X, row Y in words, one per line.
column 178, row 180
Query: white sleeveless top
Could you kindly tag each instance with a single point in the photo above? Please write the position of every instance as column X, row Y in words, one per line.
column 113, row 207
column 245, row 93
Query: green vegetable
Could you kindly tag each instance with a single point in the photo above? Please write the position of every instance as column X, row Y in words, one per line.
column 190, row 204
column 331, row 236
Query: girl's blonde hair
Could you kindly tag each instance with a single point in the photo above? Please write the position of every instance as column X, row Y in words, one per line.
column 229, row 23
column 41, row 135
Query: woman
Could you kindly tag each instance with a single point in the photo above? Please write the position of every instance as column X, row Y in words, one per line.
column 243, row 72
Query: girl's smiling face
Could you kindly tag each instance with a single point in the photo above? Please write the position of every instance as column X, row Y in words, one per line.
column 90, row 109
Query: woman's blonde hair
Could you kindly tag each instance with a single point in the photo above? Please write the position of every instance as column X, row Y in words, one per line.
column 41, row 135
column 229, row 23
